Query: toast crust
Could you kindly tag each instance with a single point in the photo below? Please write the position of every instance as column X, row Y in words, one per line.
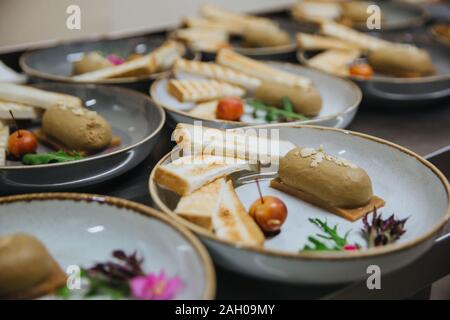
column 351, row 214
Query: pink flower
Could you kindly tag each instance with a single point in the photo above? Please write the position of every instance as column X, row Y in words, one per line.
column 115, row 59
column 155, row 286
column 350, row 247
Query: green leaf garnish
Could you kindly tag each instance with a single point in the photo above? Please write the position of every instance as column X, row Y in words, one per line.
column 334, row 242
column 287, row 105
column 50, row 157
column 275, row 113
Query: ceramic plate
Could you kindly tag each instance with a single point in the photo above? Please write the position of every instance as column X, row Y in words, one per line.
column 133, row 118
column 82, row 229
column 55, row 63
column 406, row 92
column 341, row 99
column 410, row 185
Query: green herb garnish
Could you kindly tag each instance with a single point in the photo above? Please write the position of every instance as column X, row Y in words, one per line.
column 50, row 157
column 274, row 113
column 287, row 105
column 334, row 242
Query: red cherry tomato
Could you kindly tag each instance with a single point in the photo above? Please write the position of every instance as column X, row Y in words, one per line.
column 362, row 70
column 269, row 213
column 230, row 109
column 22, row 142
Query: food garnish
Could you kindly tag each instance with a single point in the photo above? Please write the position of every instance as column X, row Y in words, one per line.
column 21, row 142
column 333, row 241
column 274, row 113
column 380, row 232
column 269, row 212
column 361, row 69
column 230, row 108
column 50, row 157
column 115, row 59
column 124, row 277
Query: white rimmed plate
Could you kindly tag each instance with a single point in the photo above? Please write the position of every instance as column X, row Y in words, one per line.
column 82, row 229
column 341, row 99
column 410, row 185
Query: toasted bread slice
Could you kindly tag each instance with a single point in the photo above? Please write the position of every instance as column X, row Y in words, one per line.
column 352, row 214
column 260, row 70
column 4, row 135
column 217, row 72
column 212, row 25
column 19, row 110
column 205, row 110
column 202, row 90
column 193, row 139
column 201, row 39
column 232, row 222
column 349, row 35
column 160, row 59
column 189, row 173
column 334, row 61
column 314, row 42
column 316, row 12
column 36, row 97
column 199, row 206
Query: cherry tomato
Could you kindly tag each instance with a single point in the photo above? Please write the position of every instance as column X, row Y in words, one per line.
column 362, row 70
column 230, row 109
column 269, row 213
column 22, row 142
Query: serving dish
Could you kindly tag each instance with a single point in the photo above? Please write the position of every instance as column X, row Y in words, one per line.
column 340, row 100
column 403, row 92
column 134, row 119
column 69, row 223
column 395, row 14
column 411, row 187
column 56, row 63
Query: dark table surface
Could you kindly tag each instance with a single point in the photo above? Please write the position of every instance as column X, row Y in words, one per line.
column 423, row 130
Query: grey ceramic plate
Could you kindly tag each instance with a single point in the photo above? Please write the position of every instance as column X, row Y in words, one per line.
column 410, row 185
column 341, row 99
column 82, row 229
column 55, row 63
column 133, row 117
column 406, row 92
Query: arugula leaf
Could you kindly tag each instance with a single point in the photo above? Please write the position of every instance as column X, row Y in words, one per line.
column 50, row 157
column 274, row 112
column 335, row 241
column 287, row 105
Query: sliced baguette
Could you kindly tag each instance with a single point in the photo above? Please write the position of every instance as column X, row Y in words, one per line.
column 160, row 59
column 315, row 42
column 232, row 222
column 217, row 72
column 4, row 135
column 210, row 24
column 205, row 110
column 35, row 97
column 19, row 110
column 189, row 173
column 199, row 206
column 202, row 90
column 198, row 139
column 231, row 59
column 334, row 61
column 349, row 35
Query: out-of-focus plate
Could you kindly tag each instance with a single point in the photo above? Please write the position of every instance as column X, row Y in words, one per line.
column 83, row 229
column 410, row 185
column 133, row 117
column 340, row 97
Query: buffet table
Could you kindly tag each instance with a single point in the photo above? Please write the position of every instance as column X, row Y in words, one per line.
column 424, row 130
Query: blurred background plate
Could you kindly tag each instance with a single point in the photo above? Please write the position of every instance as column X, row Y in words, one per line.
column 133, row 117
column 340, row 97
column 55, row 63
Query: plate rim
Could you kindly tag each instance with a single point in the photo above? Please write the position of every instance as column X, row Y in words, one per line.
column 99, row 156
column 318, row 256
column 209, row 291
column 353, row 107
